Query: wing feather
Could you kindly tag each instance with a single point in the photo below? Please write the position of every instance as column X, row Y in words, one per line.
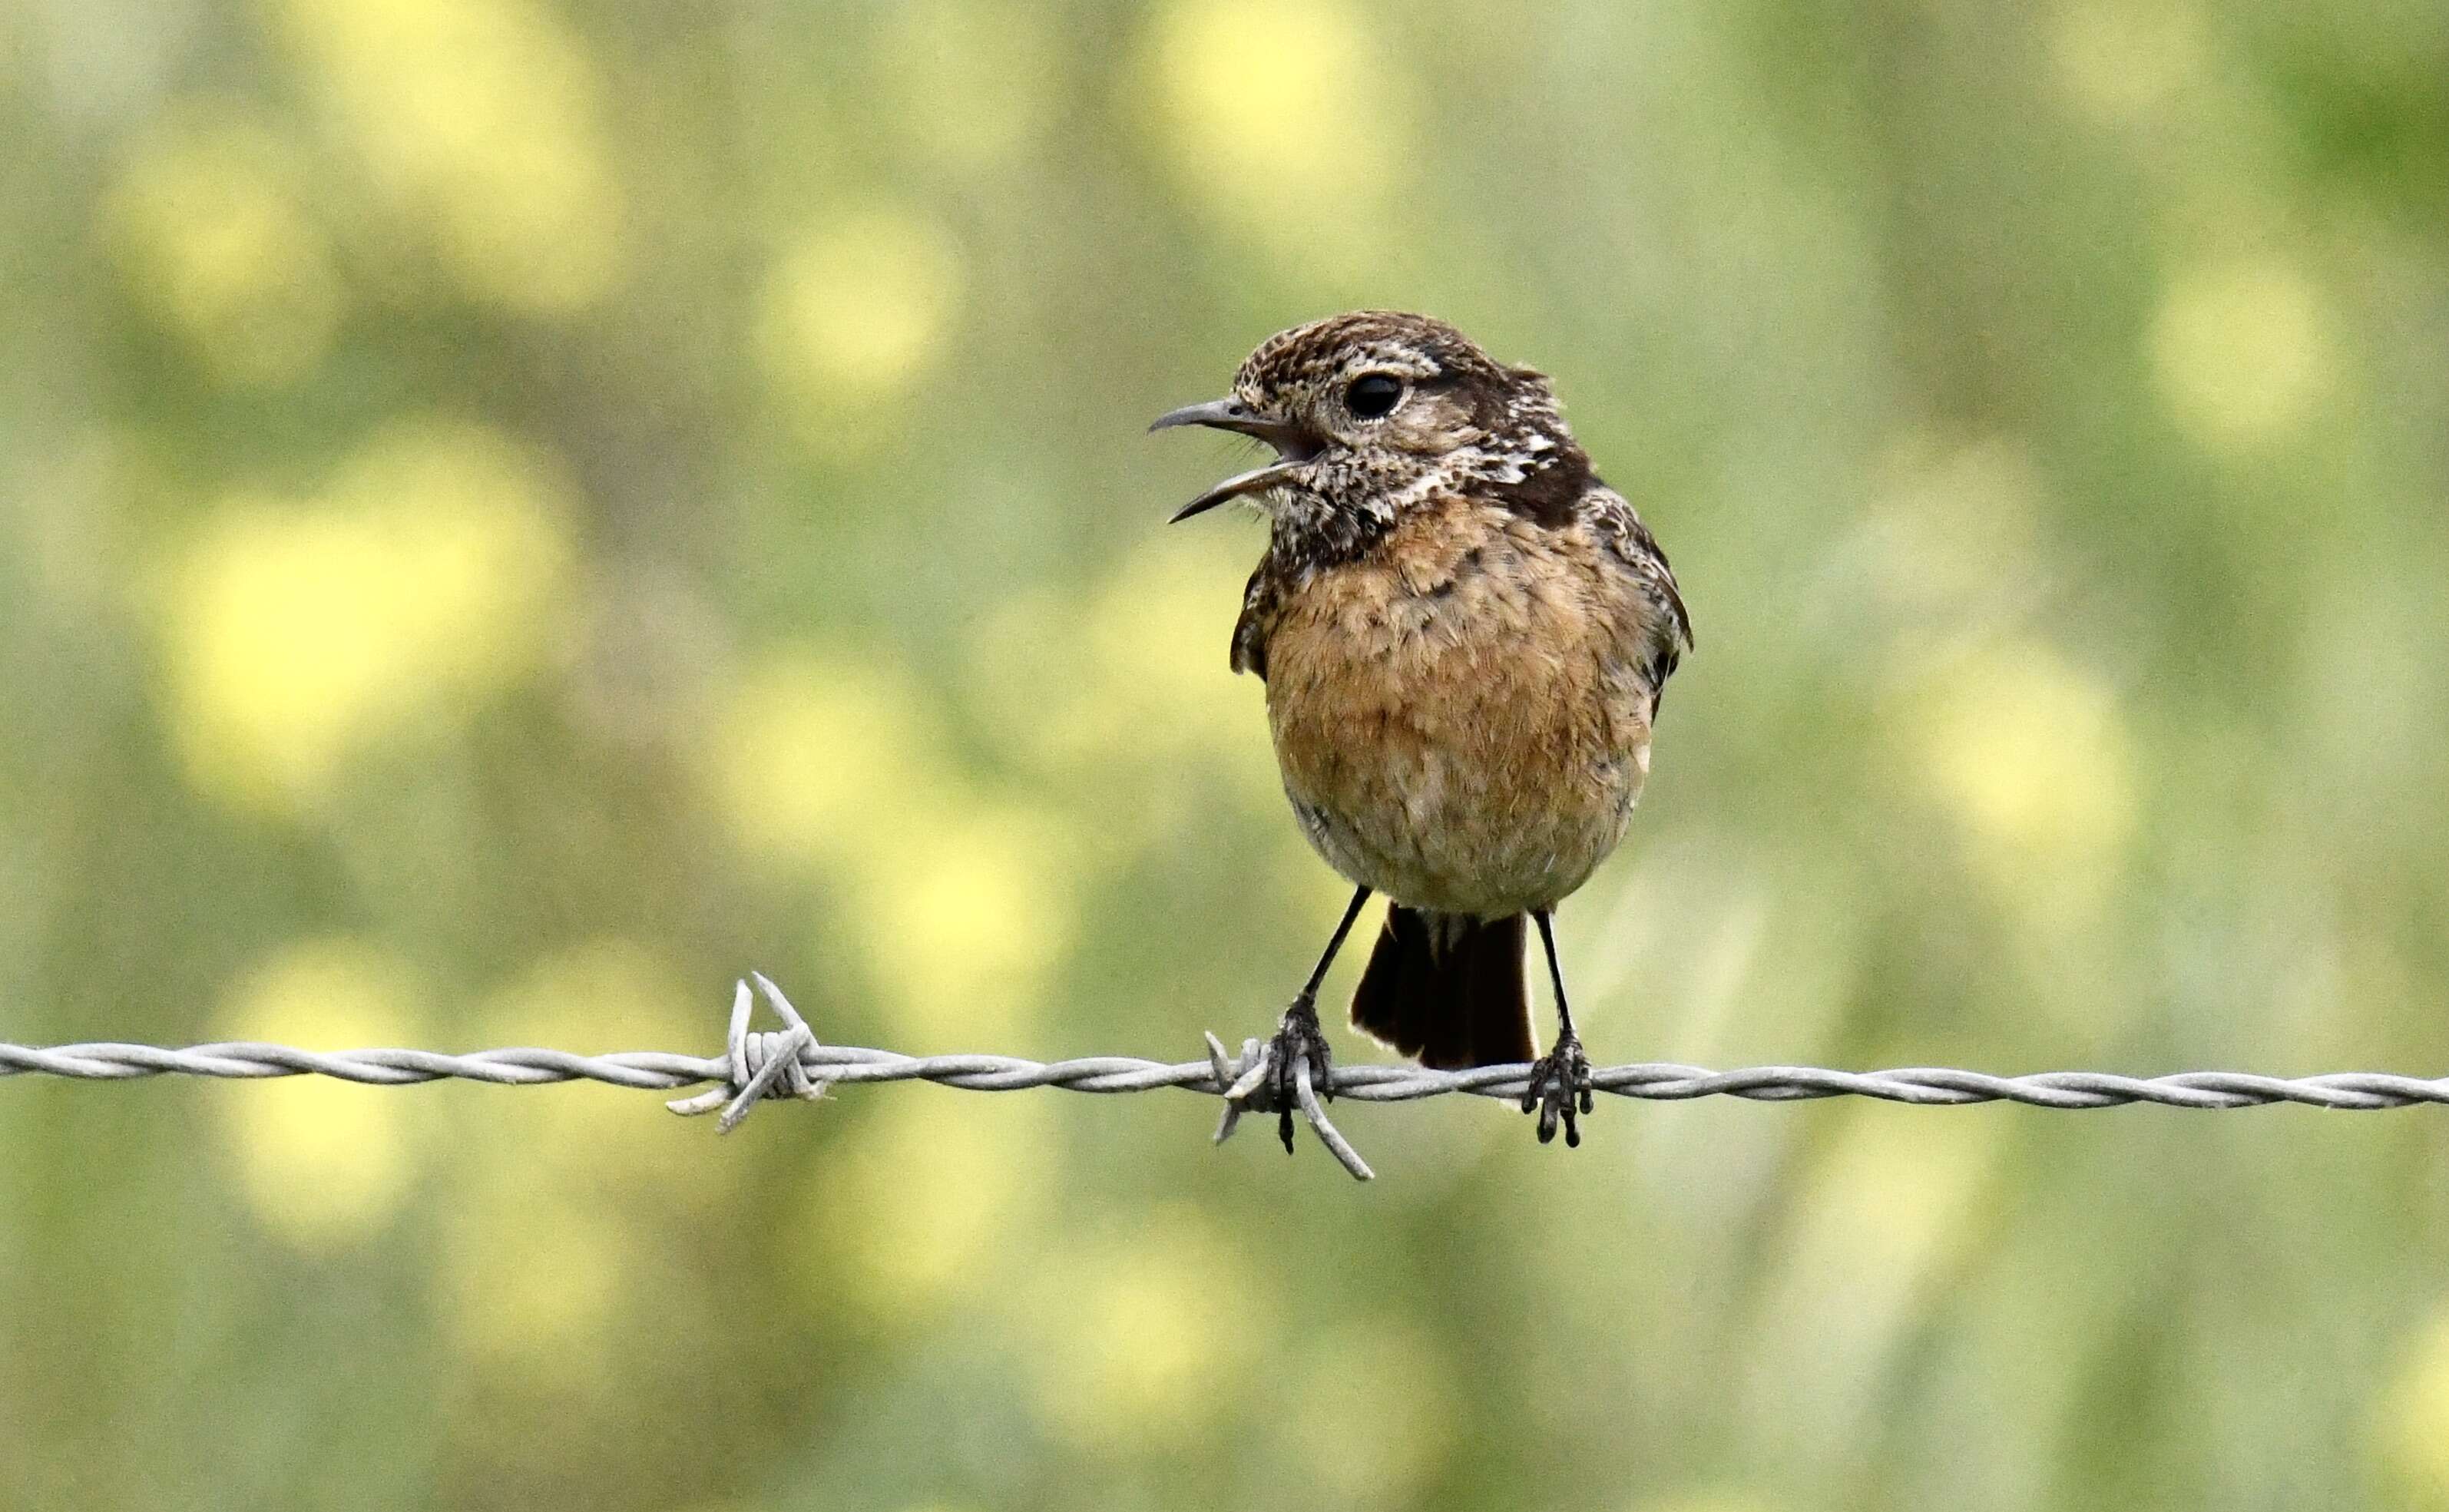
column 1618, row 526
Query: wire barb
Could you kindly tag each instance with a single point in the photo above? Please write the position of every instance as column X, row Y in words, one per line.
column 762, row 1065
column 1248, row 1084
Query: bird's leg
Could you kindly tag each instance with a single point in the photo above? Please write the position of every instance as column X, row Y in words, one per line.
column 1299, row 1037
column 1560, row 1080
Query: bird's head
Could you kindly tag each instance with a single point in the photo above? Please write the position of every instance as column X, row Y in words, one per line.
column 1375, row 412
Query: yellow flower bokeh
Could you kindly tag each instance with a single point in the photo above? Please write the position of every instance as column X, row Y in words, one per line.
column 530, row 1281
column 213, row 223
column 2241, row 352
column 814, row 756
column 964, row 920
column 513, row 513
column 594, row 997
column 2031, row 756
column 2121, row 62
column 1953, row 533
column 929, row 1201
column 542, row 1248
column 2412, row 1428
column 1139, row 1326
column 1130, row 677
column 322, row 1163
column 960, row 900
column 429, row 575
column 1266, row 111
column 482, row 124
column 1888, row 1214
column 852, row 317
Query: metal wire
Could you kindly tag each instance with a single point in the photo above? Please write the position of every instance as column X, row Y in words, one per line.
column 791, row 1062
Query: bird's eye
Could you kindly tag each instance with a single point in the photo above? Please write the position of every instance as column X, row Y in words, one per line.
column 1373, row 394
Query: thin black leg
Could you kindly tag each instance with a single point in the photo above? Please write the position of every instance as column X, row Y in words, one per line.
column 1317, row 973
column 1299, row 1037
column 1556, row 974
column 1560, row 1080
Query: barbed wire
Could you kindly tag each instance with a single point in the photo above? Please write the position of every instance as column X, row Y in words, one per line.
column 790, row 1062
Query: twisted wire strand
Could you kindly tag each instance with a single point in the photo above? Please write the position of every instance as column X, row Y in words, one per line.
column 835, row 1064
column 791, row 1062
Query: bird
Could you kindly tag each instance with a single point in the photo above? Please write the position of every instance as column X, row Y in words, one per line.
column 1464, row 635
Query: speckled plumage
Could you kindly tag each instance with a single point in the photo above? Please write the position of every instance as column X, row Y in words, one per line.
column 1463, row 631
column 1464, row 635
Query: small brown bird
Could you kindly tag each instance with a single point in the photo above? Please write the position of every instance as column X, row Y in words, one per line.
column 1464, row 634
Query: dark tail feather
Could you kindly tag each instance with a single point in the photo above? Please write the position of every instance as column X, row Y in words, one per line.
column 1447, row 989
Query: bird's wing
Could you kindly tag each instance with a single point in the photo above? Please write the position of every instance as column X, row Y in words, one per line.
column 1258, row 619
column 1618, row 528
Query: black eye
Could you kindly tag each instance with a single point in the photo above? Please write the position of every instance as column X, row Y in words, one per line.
column 1373, row 394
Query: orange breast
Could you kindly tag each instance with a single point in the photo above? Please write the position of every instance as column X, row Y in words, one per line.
column 1461, row 718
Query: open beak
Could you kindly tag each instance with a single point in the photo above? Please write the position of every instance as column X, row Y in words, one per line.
column 1294, row 446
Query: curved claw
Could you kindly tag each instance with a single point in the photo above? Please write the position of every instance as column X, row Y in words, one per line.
column 1292, row 1071
column 1300, row 1055
column 1559, row 1087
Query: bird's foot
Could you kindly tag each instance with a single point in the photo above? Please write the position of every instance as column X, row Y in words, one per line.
column 1299, row 1041
column 1293, row 1072
column 1560, row 1083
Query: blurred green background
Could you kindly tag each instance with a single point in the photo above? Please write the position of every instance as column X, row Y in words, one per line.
column 513, row 513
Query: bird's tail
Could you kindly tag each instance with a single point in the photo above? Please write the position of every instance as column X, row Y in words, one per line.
column 1447, row 989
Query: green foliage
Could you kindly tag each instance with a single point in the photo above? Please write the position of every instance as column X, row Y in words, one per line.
column 512, row 514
